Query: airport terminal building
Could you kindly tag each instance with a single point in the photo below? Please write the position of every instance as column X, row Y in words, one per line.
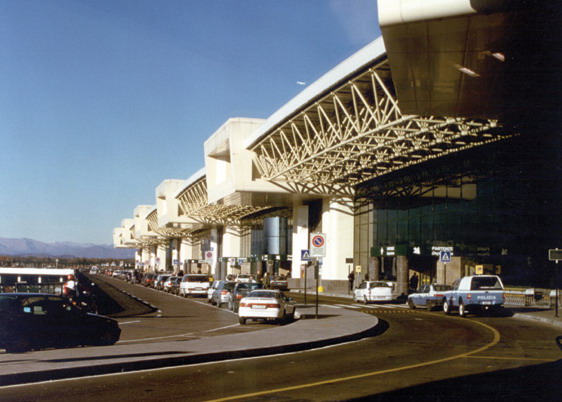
column 436, row 149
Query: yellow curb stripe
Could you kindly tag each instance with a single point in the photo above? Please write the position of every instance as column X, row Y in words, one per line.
column 512, row 358
column 494, row 341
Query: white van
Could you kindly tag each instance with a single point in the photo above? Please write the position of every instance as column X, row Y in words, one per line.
column 194, row 284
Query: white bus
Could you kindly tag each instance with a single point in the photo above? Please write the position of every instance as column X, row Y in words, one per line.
column 34, row 280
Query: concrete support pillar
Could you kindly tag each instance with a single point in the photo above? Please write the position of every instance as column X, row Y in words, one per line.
column 145, row 258
column 161, row 254
column 402, row 269
column 186, row 253
column 152, row 260
column 138, row 258
column 231, row 247
column 337, row 224
column 175, row 244
column 214, row 243
column 376, row 262
column 300, row 237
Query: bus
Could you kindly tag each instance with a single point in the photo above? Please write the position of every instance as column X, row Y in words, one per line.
column 34, row 280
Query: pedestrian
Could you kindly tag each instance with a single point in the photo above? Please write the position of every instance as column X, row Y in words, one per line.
column 351, row 279
column 414, row 282
column 266, row 280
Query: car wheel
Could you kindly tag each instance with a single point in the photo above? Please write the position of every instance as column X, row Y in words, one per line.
column 365, row 300
column 411, row 304
column 429, row 305
column 355, row 298
column 446, row 307
column 462, row 309
column 242, row 320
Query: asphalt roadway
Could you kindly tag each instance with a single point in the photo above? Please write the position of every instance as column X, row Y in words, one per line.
column 333, row 326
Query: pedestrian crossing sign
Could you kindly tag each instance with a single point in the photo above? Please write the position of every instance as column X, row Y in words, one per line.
column 305, row 255
column 445, row 256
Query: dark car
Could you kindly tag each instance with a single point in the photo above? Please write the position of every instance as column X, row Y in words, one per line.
column 222, row 293
column 240, row 291
column 279, row 282
column 148, row 280
column 35, row 320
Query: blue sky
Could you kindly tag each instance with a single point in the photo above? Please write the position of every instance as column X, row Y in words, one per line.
column 101, row 100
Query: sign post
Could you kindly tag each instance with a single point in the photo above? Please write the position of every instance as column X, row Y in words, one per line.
column 555, row 255
column 317, row 250
column 305, row 256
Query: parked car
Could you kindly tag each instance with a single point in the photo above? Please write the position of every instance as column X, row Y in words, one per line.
column 167, row 286
column 371, row 291
column 222, row 293
column 240, row 291
column 266, row 304
column 212, row 289
column 159, row 281
column 148, row 280
column 428, row 296
column 473, row 294
column 243, row 278
column 279, row 282
column 36, row 320
column 175, row 289
column 194, row 285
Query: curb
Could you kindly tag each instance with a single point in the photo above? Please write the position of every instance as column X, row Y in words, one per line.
column 550, row 321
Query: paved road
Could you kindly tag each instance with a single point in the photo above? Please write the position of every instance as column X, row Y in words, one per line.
column 428, row 355
column 171, row 317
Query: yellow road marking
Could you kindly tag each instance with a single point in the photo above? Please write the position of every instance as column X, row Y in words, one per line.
column 494, row 341
column 512, row 358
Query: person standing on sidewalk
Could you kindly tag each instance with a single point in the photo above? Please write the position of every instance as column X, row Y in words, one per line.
column 351, row 278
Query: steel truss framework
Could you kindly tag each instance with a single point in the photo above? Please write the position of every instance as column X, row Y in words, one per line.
column 357, row 133
column 193, row 203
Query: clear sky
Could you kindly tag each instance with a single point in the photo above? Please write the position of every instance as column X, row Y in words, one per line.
column 101, row 100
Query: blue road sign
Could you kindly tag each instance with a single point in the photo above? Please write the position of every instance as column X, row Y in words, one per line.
column 445, row 256
column 305, row 255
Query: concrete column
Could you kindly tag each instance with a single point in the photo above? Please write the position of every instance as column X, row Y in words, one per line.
column 175, row 244
column 161, row 254
column 231, row 247
column 376, row 268
column 300, row 237
column 337, row 224
column 145, row 258
column 152, row 260
column 214, row 243
column 402, row 268
column 138, row 258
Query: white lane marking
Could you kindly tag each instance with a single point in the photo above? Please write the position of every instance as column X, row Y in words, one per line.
column 129, row 322
column 190, row 334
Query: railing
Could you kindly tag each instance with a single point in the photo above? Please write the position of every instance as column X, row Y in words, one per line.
column 531, row 298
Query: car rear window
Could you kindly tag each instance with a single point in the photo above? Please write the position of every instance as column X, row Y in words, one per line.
column 485, row 283
column 190, row 278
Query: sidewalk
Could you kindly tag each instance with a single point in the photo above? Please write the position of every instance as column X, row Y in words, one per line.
column 334, row 325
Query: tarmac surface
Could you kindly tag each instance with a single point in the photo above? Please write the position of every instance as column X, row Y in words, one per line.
column 333, row 326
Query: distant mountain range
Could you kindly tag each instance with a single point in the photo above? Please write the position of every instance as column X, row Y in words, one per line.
column 29, row 247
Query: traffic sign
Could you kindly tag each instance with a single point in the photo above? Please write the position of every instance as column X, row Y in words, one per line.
column 318, row 245
column 305, row 255
column 554, row 255
column 445, row 256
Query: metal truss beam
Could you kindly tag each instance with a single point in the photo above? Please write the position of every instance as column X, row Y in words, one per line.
column 357, row 133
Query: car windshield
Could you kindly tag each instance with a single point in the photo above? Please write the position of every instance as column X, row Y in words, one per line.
column 441, row 288
column 380, row 285
column 196, row 279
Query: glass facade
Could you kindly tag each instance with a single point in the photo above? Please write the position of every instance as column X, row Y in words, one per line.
column 497, row 205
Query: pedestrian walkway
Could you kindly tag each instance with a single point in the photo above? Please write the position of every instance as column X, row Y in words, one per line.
column 331, row 327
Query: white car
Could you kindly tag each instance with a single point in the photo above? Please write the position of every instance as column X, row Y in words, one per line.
column 371, row 291
column 266, row 304
column 211, row 290
column 194, row 285
column 428, row 296
column 243, row 278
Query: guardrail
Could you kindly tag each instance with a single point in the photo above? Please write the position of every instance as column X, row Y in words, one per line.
column 533, row 297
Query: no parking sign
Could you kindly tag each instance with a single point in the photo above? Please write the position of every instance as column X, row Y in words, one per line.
column 318, row 245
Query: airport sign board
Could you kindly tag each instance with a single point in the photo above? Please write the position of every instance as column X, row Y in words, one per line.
column 555, row 254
